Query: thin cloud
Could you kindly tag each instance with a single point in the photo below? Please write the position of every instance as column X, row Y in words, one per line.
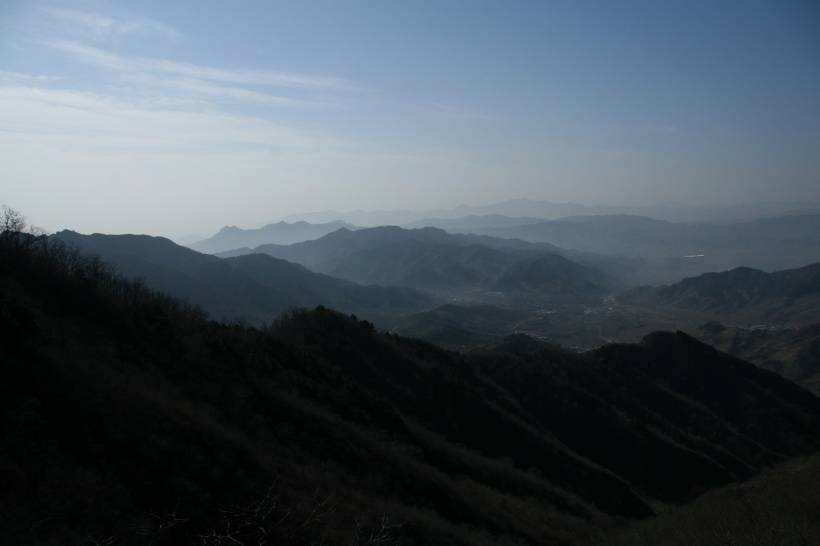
column 102, row 25
column 206, row 90
column 106, row 59
column 6, row 75
column 92, row 121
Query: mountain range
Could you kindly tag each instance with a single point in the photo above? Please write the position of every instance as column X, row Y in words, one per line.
column 130, row 419
column 787, row 297
column 547, row 210
column 281, row 233
column 634, row 249
column 434, row 260
column 671, row 251
column 255, row 288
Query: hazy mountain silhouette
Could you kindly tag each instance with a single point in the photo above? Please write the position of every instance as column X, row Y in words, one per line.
column 432, row 259
column 672, row 251
column 547, row 210
column 281, row 233
column 669, row 212
column 127, row 415
column 474, row 223
column 788, row 296
column 255, row 287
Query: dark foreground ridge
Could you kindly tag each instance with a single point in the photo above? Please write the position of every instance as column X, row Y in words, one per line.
column 130, row 417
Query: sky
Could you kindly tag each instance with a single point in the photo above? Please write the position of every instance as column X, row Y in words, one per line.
column 180, row 117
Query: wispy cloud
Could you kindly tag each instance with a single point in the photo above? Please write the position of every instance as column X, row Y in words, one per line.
column 154, row 105
column 7, row 76
column 99, row 57
column 102, row 26
column 94, row 121
column 204, row 90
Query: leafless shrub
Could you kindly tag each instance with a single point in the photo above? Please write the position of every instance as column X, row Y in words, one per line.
column 100, row 541
column 380, row 535
column 157, row 525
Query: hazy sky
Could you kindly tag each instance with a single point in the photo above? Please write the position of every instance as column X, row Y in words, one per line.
column 178, row 117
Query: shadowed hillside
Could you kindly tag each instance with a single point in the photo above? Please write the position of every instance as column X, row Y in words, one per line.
column 790, row 296
column 780, row 507
column 794, row 353
column 254, row 287
column 129, row 416
column 461, row 327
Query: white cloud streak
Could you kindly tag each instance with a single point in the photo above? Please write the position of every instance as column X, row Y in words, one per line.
column 192, row 87
column 96, row 122
column 18, row 77
column 105, row 59
column 103, row 26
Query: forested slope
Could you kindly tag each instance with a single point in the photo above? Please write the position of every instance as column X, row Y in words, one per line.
column 131, row 417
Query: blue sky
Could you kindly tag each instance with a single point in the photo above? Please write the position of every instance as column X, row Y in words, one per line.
column 176, row 117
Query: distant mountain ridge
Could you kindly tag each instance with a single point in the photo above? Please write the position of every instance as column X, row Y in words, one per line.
column 790, row 296
column 635, row 249
column 474, row 223
column 740, row 287
column 432, row 259
column 548, row 210
column 282, row 233
column 254, row 287
column 644, row 236
column 660, row 251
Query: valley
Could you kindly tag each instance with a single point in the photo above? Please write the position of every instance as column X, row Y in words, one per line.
column 467, row 292
column 507, row 443
column 367, row 273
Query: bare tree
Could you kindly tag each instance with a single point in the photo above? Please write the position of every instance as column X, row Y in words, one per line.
column 11, row 220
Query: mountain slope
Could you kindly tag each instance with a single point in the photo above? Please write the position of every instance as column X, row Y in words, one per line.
column 779, row 507
column 794, row 353
column 254, row 287
column 129, row 416
column 742, row 287
column 791, row 296
column 281, row 233
column 431, row 259
column 461, row 327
